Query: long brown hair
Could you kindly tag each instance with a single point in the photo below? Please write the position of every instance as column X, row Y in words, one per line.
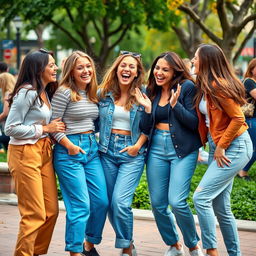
column 251, row 66
column 110, row 81
column 30, row 73
column 216, row 78
column 68, row 81
column 181, row 73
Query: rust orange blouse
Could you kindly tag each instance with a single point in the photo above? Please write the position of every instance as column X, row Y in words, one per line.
column 225, row 124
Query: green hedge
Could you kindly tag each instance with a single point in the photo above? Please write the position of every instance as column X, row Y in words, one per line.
column 243, row 197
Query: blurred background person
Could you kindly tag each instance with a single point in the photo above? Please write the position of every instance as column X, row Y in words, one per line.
column 7, row 82
column 250, row 86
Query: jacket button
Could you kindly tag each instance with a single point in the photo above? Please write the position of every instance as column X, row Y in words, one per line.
column 170, row 124
column 176, row 146
column 179, row 156
column 173, row 135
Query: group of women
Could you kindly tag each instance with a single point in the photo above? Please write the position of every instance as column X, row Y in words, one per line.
column 163, row 124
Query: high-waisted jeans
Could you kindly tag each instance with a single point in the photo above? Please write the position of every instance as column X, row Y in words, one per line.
column 169, row 179
column 212, row 196
column 123, row 174
column 84, row 191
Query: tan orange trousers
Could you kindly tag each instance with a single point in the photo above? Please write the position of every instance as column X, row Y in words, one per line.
column 35, row 185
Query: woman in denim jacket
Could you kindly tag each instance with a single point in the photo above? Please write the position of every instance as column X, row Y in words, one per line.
column 171, row 124
column 121, row 143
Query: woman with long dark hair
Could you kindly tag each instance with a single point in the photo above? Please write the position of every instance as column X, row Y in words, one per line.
column 30, row 151
column 171, row 124
column 222, row 123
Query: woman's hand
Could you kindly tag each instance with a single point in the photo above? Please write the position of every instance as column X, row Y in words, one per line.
column 219, row 156
column 74, row 150
column 143, row 100
column 175, row 96
column 55, row 125
column 131, row 150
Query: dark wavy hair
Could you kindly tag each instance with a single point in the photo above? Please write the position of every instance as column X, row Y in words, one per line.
column 181, row 73
column 30, row 73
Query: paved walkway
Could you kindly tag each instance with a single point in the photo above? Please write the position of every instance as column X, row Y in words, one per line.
column 146, row 236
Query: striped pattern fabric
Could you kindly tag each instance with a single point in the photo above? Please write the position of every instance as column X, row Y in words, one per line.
column 78, row 116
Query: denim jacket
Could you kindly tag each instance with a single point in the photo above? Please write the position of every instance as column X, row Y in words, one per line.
column 106, row 110
column 183, row 121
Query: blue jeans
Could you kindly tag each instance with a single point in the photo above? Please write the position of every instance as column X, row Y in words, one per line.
column 252, row 131
column 212, row 196
column 84, row 191
column 122, row 173
column 169, row 179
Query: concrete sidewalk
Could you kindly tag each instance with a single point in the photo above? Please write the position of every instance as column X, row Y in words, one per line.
column 146, row 236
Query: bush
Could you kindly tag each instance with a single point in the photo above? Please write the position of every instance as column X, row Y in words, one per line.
column 243, row 196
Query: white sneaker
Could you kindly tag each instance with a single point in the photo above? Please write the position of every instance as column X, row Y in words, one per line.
column 134, row 252
column 173, row 251
column 197, row 252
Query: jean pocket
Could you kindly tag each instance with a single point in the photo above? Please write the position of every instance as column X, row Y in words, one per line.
column 248, row 148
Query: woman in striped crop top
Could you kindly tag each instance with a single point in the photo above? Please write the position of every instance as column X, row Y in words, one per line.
column 76, row 159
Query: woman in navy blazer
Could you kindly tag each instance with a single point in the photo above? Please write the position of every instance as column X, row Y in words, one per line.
column 171, row 124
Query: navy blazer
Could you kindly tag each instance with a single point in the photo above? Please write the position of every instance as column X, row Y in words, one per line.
column 183, row 121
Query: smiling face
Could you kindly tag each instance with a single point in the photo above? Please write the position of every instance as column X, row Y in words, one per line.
column 50, row 72
column 82, row 72
column 254, row 72
column 195, row 62
column 163, row 73
column 127, row 70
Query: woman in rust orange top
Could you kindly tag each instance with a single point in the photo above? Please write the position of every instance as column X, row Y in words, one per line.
column 221, row 121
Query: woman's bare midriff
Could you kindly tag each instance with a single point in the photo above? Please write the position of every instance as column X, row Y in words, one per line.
column 122, row 132
column 162, row 126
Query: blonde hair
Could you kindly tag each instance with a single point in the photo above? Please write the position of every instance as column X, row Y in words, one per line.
column 7, row 83
column 68, row 81
column 110, row 81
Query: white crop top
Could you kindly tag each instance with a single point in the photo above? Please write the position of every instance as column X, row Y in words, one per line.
column 121, row 119
column 203, row 110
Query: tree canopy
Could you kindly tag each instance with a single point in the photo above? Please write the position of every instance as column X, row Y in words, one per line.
column 107, row 21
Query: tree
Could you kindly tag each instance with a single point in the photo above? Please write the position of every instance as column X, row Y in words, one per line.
column 233, row 17
column 192, row 20
column 106, row 20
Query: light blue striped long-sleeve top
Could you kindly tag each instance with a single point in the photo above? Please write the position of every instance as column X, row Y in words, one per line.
column 26, row 118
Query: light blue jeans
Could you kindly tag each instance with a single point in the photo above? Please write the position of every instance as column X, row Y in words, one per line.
column 122, row 174
column 169, row 179
column 212, row 196
column 84, row 191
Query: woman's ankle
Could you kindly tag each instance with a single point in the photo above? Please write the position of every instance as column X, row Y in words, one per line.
column 88, row 245
column 212, row 252
column 177, row 245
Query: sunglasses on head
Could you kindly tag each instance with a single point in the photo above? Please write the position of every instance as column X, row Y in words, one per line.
column 134, row 54
column 45, row 51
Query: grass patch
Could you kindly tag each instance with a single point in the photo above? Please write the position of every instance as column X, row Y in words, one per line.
column 243, row 196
